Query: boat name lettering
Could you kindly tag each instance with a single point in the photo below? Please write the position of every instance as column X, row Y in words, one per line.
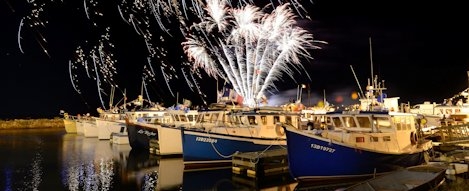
column 322, row 148
column 205, row 139
column 145, row 132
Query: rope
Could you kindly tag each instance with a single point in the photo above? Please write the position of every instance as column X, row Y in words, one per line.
column 256, row 159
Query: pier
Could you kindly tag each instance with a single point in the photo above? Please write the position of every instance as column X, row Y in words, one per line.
column 450, row 136
column 451, row 143
column 260, row 164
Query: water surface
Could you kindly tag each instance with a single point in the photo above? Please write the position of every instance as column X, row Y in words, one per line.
column 50, row 159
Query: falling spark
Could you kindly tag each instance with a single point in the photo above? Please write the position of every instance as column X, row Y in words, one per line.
column 253, row 52
column 19, row 36
column 231, row 40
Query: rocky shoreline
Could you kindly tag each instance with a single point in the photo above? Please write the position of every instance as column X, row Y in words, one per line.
column 31, row 123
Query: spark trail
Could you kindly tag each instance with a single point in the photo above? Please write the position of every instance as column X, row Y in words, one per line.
column 103, row 68
column 231, row 37
column 249, row 48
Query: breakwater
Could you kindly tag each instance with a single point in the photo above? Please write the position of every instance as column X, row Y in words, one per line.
column 31, row 123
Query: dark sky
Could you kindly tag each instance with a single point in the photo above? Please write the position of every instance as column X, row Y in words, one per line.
column 421, row 50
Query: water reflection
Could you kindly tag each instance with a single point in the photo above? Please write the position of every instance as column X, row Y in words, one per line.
column 89, row 163
column 153, row 173
column 54, row 160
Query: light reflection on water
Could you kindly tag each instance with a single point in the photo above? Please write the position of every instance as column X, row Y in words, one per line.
column 53, row 160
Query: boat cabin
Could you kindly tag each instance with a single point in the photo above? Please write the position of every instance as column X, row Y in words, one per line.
column 389, row 130
column 259, row 122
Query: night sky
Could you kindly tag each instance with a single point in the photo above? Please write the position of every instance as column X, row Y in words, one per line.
column 421, row 50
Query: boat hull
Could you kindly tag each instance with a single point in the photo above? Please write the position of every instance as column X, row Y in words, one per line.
column 70, row 126
column 200, row 147
column 139, row 139
column 80, row 127
column 90, row 129
column 106, row 128
column 311, row 157
column 164, row 140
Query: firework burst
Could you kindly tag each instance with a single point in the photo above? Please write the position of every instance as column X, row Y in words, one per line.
column 249, row 48
column 232, row 40
column 98, row 64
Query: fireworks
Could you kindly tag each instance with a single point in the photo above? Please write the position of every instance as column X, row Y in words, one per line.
column 248, row 48
column 237, row 41
column 98, row 64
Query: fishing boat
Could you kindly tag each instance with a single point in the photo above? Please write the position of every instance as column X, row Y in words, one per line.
column 139, row 137
column 79, row 123
column 89, row 125
column 70, row 123
column 223, row 130
column 112, row 121
column 415, row 178
column 161, row 136
column 373, row 138
column 109, row 122
column 160, row 126
column 456, row 108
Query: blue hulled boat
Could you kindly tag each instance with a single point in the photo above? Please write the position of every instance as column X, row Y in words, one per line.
column 373, row 138
column 220, row 133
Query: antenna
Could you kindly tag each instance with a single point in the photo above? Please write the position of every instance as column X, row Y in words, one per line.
column 371, row 59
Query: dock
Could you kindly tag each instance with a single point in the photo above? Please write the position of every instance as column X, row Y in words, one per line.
column 451, row 143
column 449, row 136
column 260, row 164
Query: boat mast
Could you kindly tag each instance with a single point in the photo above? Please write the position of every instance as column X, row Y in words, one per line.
column 371, row 59
column 111, row 100
column 125, row 100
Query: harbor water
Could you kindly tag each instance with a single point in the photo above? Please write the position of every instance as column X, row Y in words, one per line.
column 51, row 159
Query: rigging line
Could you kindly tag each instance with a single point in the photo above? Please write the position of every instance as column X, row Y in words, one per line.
column 358, row 83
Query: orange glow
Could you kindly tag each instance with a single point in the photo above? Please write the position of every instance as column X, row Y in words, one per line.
column 354, row 95
column 339, row 99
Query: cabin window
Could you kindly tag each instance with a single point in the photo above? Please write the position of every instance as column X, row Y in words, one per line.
column 276, row 119
column 206, row 118
column 157, row 120
column 373, row 139
column 288, row 120
column 381, row 122
column 214, row 117
column 403, row 122
column 360, row 139
column 386, row 138
column 252, row 120
column 397, row 122
column 176, row 118
column 226, row 118
column 183, row 118
column 264, row 120
column 191, row 117
column 349, row 121
column 234, row 120
column 337, row 122
column 244, row 120
column 410, row 122
column 364, row 122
